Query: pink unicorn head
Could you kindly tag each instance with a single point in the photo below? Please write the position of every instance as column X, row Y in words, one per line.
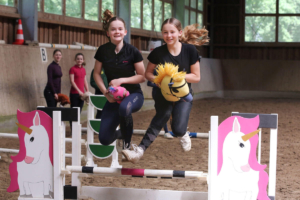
column 29, row 124
column 237, row 142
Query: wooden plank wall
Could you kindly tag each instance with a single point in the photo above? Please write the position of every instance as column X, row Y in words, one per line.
column 60, row 34
column 8, row 27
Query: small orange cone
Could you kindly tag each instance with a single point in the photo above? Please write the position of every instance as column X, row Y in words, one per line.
column 20, row 36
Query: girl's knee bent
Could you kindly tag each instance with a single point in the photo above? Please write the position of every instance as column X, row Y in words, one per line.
column 104, row 140
column 179, row 131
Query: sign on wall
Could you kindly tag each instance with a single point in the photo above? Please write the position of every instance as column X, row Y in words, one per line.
column 43, row 54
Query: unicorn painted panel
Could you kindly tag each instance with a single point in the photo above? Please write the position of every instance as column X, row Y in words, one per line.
column 32, row 169
column 240, row 176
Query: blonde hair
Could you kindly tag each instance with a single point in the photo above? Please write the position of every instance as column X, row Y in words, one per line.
column 190, row 34
column 168, row 69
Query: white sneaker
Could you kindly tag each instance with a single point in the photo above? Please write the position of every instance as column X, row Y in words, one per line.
column 133, row 155
column 168, row 135
column 125, row 147
column 185, row 142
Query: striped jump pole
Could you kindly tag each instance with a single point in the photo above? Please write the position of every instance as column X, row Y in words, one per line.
column 147, row 173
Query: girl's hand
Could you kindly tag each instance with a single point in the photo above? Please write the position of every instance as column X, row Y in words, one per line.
column 80, row 93
column 109, row 98
column 55, row 96
column 116, row 82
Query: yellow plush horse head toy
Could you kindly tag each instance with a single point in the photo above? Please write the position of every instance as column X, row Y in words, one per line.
column 172, row 83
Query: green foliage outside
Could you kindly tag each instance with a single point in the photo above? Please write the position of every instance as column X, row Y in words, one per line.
column 200, row 20
column 7, row 2
column 168, row 11
column 73, row 8
column 289, row 6
column 289, row 29
column 157, row 15
column 107, row 4
column 260, row 6
column 186, row 17
column 39, row 5
column 200, row 5
column 53, row 6
column 147, row 15
column 193, row 17
column 91, row 10
column 186, row 2
column 259, row 29
column 262, row 28
column 135, row 14
column 193, row 3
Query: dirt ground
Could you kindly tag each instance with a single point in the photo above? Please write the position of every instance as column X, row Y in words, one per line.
column 167, row 153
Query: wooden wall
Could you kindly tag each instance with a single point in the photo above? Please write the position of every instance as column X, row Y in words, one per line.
column 7, row 29
column 223, row 18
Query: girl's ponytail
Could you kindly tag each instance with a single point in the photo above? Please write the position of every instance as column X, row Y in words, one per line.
column 193, row 35
column 190, row 34
column 107, row 15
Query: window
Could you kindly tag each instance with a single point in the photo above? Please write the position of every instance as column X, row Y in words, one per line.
column 91, row 10
column 135, row 14
column 193, row 12
column 7, row 2
column 149, row 16
column 272, row 21
column 73, row 8
column 53, row 6
column 107, row 4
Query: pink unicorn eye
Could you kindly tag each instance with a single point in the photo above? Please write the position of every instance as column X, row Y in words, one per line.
column 31, row 139
column 242, row 145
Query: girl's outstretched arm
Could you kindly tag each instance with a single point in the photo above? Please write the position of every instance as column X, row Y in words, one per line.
column 194, row 76
column 138, row 78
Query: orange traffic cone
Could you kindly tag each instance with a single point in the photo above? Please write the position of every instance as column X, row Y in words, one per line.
column 20, row 36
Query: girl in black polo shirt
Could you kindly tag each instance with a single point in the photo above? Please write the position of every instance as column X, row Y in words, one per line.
column 179, row 51
column 123, row 65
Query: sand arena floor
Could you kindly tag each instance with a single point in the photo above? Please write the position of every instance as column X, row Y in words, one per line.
column 167, row 153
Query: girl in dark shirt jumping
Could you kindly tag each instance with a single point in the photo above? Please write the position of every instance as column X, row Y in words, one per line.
column 54, row 75
column 178, row 50
column 123, row 65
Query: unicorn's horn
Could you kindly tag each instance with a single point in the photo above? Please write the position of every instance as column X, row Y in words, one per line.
column 24, row 128
column 250, row 135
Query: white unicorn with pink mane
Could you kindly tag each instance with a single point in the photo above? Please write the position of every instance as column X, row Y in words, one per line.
column 35, row 169
column 240, row 176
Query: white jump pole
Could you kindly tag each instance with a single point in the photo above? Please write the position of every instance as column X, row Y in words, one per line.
column 15, row 136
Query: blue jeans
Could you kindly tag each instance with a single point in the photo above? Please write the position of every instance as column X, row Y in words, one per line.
column 180, row 112
column 114, row 114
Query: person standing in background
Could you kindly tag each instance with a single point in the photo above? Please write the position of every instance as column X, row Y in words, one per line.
column 54, row 75
column 78, row 82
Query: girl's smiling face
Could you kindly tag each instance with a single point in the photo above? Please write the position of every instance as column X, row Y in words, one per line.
column 57, row 56
column 79, row 60
column 116, row 31
column 170, row 34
